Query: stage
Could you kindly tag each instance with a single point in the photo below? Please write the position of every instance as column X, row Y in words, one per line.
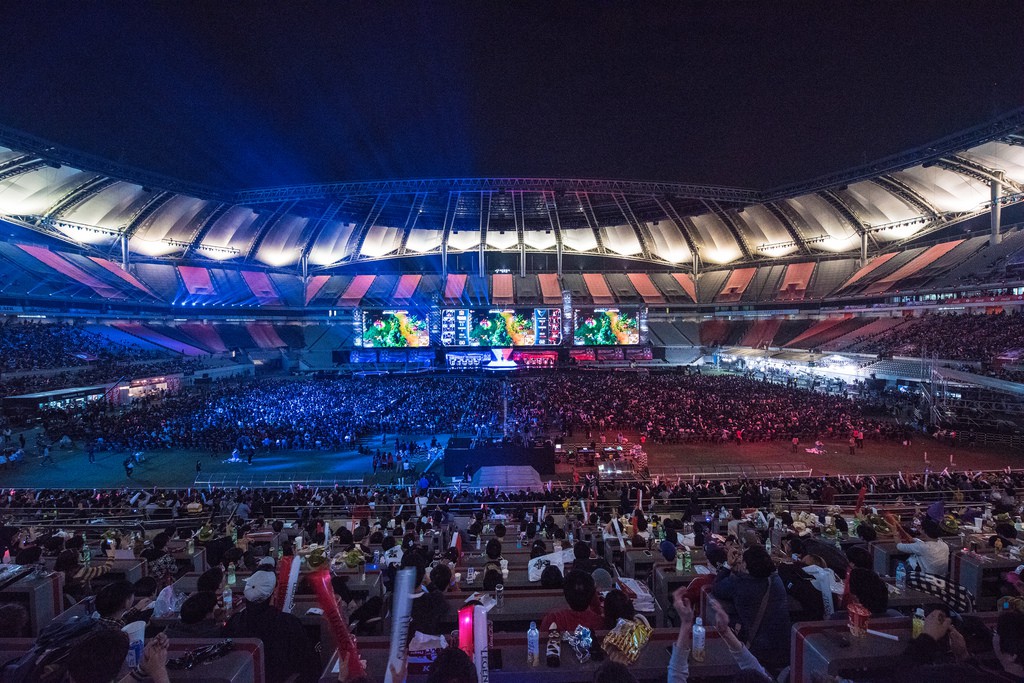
column 461, row 453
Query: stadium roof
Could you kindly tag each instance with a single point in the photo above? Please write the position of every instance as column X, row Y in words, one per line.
column 94, row 202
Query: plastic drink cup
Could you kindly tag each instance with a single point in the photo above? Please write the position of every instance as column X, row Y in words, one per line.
column 136, row 632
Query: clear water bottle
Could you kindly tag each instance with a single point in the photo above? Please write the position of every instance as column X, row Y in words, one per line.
column 231, row 574
column 376, row 557
column 478, row 543
column 191, row 546
column 533, row 645
column 901, row 576
column 699, row 635
column 228, row 598
column 679, row 563
column 768, row 544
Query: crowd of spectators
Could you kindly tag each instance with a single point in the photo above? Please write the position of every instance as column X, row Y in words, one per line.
column 313, row 414
column 998, row 488
column 97, row 372
column 331, row 414
column 756, row 592
column 674, row 408
column 37, row 356
column 37, row 345
column 952, row 337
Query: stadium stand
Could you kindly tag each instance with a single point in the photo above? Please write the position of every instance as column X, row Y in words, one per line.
column 764, row 282
column 622, row 288
column 709, row 285
column 796, row 281
column 760, row 333
column 871, row 328
column 206, row 335
column 736, row 284
column 829, row 276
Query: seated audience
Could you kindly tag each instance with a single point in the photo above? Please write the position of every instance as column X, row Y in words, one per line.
column 287, row 650
column 759, row 597
column 580, row 596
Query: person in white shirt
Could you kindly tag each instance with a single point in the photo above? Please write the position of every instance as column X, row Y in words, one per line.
column 927, row 554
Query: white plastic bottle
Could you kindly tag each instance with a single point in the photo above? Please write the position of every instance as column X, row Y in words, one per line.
column 901, row 576
column 533, row 645
column 699, row 635
column 228, row 598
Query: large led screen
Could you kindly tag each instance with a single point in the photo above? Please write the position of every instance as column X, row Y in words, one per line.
column 501, row 327
column 394, row 329
column 605, row 327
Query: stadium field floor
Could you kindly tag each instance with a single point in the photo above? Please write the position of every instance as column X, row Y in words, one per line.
column 71, row 468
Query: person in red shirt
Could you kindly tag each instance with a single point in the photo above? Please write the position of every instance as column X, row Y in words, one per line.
column 580, row 593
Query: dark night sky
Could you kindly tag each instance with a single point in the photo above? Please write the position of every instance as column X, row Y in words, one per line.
column 239, row 95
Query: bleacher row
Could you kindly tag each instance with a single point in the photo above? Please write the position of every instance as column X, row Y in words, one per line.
column 34, row 270
column 970, row 584
column 861, row 334
column 200, row 338
column 848, row 334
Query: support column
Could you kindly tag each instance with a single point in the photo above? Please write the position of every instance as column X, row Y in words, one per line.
column 567, row 321
column 995, row 212
column 125, row 253
column 863, row 249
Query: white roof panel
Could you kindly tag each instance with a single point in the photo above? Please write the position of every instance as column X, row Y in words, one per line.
column 946, row 190
column 463, row 240
column 110, row 208
column 718, row 245
column 423, row 240
column 621, row 239
column 280, row 247
column 824, row 221
column 330, row 247
column 380, row 240
column 999, row 156
column 579, row 239
column 34, row 192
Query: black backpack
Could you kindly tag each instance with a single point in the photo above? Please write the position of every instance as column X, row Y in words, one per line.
column 47, row 661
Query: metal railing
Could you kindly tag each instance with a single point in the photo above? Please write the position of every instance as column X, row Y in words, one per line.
column 732, row 472
column 306, row 480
